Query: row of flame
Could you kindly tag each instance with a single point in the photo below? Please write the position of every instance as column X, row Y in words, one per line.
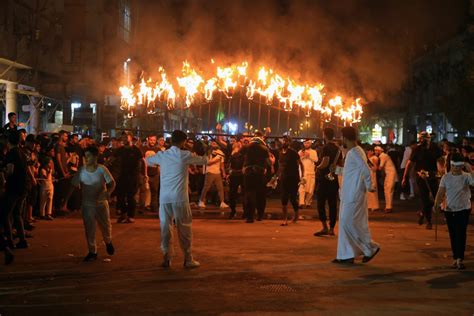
column 269, row 85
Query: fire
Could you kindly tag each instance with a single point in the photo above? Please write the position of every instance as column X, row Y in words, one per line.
column 190, row 82
column 268, row 84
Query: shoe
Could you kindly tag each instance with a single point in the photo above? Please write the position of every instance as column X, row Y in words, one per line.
column 29, row 227
column 343, row 261
column 429, row 226
column 8, row 256
column 402, row 197
column 28, row 235
column 201, row 204
column 388, row 210
column 166, row 263
column 191, row 264
column 460, row 266
column 130, row 220
column 454, row 265
column 22, row 244
column 90, row 257
column 331, row 232
column 48, row 218
column 366, row 259
column 308, row 206
column 110, row 248
column 301, row 206
column 322, row 232
column 284, row 224
column 411, row 197
column 259, row 219
column 249, row 220
column 122, row 219
column 223, row 205
column 421, row 218
column 232, row 214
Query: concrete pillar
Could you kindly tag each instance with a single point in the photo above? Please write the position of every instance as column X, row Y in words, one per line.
column 11, row 103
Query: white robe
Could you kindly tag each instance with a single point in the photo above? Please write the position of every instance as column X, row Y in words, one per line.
column 354, row 236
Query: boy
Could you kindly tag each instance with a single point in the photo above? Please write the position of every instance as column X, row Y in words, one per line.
column 97, row 184
column 455, row 185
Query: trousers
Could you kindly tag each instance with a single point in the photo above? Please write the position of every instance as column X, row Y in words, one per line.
column 93, row 215
column 181, row 213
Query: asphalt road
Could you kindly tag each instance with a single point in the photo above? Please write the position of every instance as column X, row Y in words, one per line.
column 247, row 269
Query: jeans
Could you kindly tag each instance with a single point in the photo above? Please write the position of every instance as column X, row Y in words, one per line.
column 457, row 226
column 255, row 195
column 327, row 191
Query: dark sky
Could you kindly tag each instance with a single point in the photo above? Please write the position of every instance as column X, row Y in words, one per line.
column 358, row 47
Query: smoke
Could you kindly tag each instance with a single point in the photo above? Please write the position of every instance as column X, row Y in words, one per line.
column 356, row 48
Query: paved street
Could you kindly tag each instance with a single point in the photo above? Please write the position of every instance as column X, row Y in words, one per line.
column 248, row 269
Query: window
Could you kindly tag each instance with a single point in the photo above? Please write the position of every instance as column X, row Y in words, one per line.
column 125, row 18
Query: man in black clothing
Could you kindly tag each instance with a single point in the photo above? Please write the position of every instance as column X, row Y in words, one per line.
column 16, row 189
column 327, row 185
column 424, row 158
column 131, row 160
column 256, row 163
column 11, row 125
column 289, row 175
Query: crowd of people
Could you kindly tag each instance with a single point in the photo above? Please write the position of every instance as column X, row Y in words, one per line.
column 42, row 176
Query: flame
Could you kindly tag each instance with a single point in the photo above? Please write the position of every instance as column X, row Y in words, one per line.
column 190, row 82
column 226, row 82
column 268, row 84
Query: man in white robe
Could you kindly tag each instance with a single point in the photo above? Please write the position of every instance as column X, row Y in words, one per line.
column 354, row 235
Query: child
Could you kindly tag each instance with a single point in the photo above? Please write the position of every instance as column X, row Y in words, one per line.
column 455, row 185
column 46, row 188
column 97, row 183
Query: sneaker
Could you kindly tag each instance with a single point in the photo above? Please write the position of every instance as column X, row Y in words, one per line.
column 22, row 244
column 402, row 197
column 130, row 220
column 90, row 257
column 429, row 226
column 191, row 264
column 322, row 232
column 122, row 219
column 331, row 232
column 48, row 218
column 411, row 197
column 110, row 248
column 232, row 214
column 388, row 210
column 201, row 204
column 223, row 205
column 249, row 220
column 8, row 256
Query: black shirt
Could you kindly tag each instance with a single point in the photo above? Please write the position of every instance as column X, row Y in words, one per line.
column 289, row 164
column 426, row 158
column 17, row 181
column 236, row 161
column 329, row 150
column 130, row 160
column 255, row 154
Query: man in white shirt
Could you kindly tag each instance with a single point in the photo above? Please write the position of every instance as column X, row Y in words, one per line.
column 387, row 166
column 174, row 198
column 214, row 173
column 308, row 158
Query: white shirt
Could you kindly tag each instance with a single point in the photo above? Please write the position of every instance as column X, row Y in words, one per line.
column 406, row 157
column 386, row 164
column 458, row 193
column 309, row 161
column 217, row 159
column 93, row 184
column 174, row 164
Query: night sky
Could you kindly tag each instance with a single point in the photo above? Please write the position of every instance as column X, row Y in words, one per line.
column 355, row 47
